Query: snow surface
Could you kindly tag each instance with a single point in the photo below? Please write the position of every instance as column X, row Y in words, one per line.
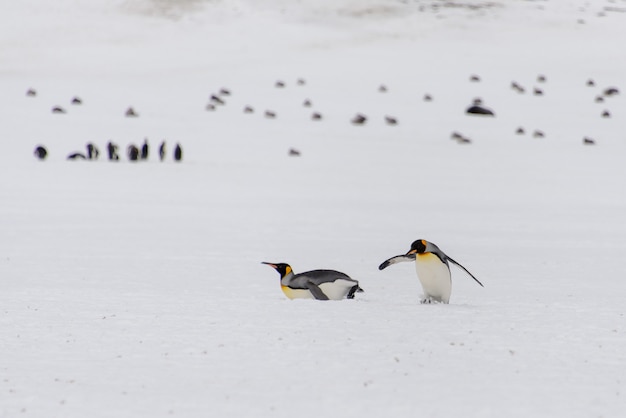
column 136, row 289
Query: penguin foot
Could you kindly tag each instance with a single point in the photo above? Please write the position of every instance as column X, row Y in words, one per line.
column 429, row 300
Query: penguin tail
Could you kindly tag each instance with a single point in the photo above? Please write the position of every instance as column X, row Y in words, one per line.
column 355, row 289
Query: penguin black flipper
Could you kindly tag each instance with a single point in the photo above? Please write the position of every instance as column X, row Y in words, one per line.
column 466, row 270
column 356, row 288
column 396, row 259
column 316, row 291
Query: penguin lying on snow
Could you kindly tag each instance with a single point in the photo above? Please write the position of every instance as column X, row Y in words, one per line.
column 432, row 268
column 315, row 284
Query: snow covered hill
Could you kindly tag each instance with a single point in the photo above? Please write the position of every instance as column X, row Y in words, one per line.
column 136, row 288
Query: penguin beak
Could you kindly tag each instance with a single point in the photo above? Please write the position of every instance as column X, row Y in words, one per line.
column 269, row 264
column 411, row 252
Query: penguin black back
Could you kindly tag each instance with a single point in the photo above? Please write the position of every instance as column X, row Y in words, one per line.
column 144, row 150
column 41, row 152
column 178, row 153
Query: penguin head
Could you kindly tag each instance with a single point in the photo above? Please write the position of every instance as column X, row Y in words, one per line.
column 420, row 246
column 282, row 268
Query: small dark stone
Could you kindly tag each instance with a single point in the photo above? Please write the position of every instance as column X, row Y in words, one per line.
column 517, row 87
column 307, row 103
column 31, row 92
column 474, row 78
column 58, row 109
column 606, row 114
column 611, row 91
column 382, row 88
column 391, row 120
column 588, row 141
column 210, row 107
column 279, row 84
column 359, row 119
column 217, row 100
column 270, row 114
column 460, row 138
column 316, row 116
column 248, row 109
column 599, row 99
column 591, row 83
column 537, row 91
column 520, row 131
column 428, row 98
column 77, row 101
column 541, row 78
column 479, row 110
column 538, row 134
column 293, row 152
column 130, row 113
column 301, row 82
column 224, row 92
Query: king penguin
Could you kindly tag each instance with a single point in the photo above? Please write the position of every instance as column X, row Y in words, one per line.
column 432, row 268
column 315, row 284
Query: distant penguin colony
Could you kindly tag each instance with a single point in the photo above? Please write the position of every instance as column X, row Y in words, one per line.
column 93, row 153
column 218, row 99
column 133, row 152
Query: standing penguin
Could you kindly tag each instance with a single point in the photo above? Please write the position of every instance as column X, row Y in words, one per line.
column 162, row 151
column 315, row 284
column 178, row 153
column 92, row 151
column 144, row 149
column 41, row 152
column 133, row 152
column 112, row 150
column 432, row 268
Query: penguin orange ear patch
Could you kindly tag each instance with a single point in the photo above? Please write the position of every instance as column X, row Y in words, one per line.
column 288, row 270
column 424, row 243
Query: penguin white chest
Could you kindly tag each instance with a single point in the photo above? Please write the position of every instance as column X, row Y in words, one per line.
column 338, row 289
column 434, row 275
